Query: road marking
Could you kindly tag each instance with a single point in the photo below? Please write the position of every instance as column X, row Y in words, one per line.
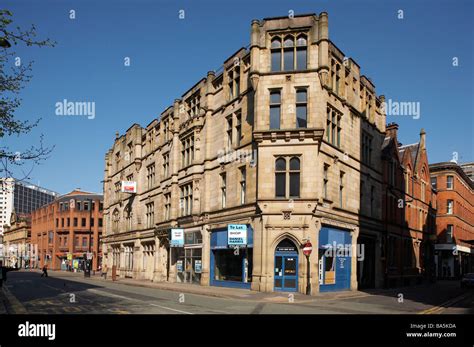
column 16, row 305
column 132, row 299
column 171, row 309
column 444, row 305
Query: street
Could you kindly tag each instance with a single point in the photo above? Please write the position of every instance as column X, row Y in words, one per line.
column 70, row 293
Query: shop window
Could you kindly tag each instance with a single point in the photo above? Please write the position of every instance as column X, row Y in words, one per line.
column 192, row 238
column 229, row 265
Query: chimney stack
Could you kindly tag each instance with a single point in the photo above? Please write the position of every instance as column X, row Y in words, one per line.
column 391, row 130
column 422, row 139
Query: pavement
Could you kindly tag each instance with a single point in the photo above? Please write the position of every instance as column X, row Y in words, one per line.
column 65, row 292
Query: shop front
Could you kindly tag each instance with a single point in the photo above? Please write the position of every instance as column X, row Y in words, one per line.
column 335, row 250
column 231, row 258
column 189, row 256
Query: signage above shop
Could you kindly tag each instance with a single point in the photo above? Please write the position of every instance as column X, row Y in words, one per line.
column 237, row 235
column 129, row 187
column 177, row 238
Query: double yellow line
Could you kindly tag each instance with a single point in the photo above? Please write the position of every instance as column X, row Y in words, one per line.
column 446, row 304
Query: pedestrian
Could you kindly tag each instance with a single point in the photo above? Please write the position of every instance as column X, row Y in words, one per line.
column 45, row 271
column 104, row 271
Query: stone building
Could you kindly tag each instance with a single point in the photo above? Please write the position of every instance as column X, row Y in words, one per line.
column 17, row 241
column 454, row 220
column 248, row 165
column 65, row 230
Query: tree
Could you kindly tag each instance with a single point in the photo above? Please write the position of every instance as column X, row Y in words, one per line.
column 14, row 75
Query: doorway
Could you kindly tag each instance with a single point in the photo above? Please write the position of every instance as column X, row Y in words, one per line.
column 286, row 267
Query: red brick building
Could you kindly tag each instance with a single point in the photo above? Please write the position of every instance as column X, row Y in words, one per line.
column 66, row 229
column 454, row 220
column 409, row 211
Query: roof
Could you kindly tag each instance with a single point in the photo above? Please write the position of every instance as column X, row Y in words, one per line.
column 451, row 166
column 414, row 148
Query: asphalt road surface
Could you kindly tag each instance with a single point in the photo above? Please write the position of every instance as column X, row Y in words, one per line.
column 27, row 292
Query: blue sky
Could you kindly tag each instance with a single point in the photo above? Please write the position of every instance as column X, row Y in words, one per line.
column 408, row 59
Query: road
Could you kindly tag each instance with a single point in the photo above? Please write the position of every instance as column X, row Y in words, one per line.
column 62, row 293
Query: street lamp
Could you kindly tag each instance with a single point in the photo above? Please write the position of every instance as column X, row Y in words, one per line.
column 87, row 267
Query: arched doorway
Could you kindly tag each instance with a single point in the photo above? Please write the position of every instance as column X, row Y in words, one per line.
column 286, row 267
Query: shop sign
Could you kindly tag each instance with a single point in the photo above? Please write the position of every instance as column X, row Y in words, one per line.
column 75, row 264
column 179, row 266
column 197, row 266
column 129, row 187
column 177, row 238
column 69, row 256
column 237, row 235
column 89, row 255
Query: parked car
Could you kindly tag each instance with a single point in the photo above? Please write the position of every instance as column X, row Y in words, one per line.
column 468, row 280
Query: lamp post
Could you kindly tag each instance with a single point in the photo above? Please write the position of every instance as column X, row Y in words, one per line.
column 87, row 262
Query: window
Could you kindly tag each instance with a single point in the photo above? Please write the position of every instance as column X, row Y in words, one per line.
column 115, row 221
column 341, row 188
column 366, row 148
column 243, row 185
column 450, row 206
column 301, row 108
column 423, row 191
column 100, row 222
column 276, row 54
column 150, row 175
column 223, row 189
column 325, row 181
column 238, row 128
column 75, row 222
column 434, row 182
column 193, row 105
column 290, row 56
column 187, row 151
column 150, row 215
column 50, row 237
column 275, row 109
column 280, row 178
column 449, row 233
column 229, row 131
column 333, row 127
column 166, row 164
column 86, row 204
column 62, row 222
column 57, row 222
column 68, row 222
column 167, row 206
column 287, row 177
column 186, row 200
column 335, row 75
column 234, row 81
column 449, row 182
column 76, row 241
column 84, row 242
column 91, row 222
column 78, row 206
column 372, row 201
column 166, row 130
column 83, row 222
column 391, row 172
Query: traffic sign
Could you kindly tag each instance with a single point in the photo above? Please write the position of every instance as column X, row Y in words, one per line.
column 307, row 248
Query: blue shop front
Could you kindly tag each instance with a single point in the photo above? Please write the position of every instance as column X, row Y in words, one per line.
column 231, row 258
column 335, row 246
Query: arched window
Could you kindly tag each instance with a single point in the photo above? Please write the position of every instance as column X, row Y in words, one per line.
column 280, row 178
column 128, row 217
column 115, row 221
column 287, row 174
column 301, row 53
column 289, row 54
column 294, row 177
column 276, row 54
